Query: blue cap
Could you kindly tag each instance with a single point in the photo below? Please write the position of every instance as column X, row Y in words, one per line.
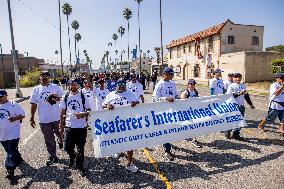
column 168, row 70
column 218, row 71
column 279, row 75
column 121, row 81
column 73, row 81
column 191, row 81
column 3, row 92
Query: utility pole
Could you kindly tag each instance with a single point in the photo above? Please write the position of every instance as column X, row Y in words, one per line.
column 27, row 57
column 19, row 93
column 2, row 58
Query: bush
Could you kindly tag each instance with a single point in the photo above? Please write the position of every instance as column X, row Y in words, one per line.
column 30, row 79
column 278, row 66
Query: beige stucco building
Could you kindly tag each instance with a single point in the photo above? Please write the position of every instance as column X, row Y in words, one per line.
column 229, row 46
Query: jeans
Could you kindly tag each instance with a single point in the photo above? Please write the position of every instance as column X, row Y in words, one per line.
column 167, row 147
column 13, row 158
column 236, row 131
column 76, row 137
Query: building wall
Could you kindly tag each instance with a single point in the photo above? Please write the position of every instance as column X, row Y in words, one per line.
column 243, row 38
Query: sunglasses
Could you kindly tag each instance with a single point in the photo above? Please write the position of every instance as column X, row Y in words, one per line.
column 121, row 84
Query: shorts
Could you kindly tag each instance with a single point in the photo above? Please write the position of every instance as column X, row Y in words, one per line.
column 273, row 114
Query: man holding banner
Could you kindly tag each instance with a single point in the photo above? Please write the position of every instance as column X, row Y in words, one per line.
column 122, row 97
column 165, row 90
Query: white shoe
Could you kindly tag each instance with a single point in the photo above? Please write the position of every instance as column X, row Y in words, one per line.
column 132, row 168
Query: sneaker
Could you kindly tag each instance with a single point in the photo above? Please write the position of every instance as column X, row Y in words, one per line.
column 82, row 172
column 195, row 144
column 52, row 160
column 10, row 174
column 227, row 135
column 237, row 137
column 169, row 156
column 132, row 168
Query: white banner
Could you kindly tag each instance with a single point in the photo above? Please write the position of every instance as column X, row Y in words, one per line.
column 129, row 128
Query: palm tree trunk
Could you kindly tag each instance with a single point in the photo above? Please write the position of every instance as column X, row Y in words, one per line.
column 140, row 69
column 161, row 28
column 70, row 60
column 75, row 52
column 60, row 38
column 128, row 45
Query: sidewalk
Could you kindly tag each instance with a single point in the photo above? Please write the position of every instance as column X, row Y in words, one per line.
column 12, row 93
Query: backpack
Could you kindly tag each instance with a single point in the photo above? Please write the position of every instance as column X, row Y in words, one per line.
column 188, row 93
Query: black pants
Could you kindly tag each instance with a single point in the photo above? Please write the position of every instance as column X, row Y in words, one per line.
column 76, row 137
column 13, row 158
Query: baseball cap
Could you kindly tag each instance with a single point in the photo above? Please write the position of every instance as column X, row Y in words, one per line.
column 44, row 72
column 191, row 81
column 218, row 71
column 279, row 75
column 73, row 81
column 3, row 92
column 120, row 82
column 168, row 70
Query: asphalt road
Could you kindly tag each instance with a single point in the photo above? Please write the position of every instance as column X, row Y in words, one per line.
column 257, row 162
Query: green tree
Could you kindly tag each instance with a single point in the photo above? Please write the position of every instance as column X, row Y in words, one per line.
column 114, row 37
column 67, row 10
column 78, row 37
column 127, row 14
column 279, row 48
column 121, row 31
column 277, row 66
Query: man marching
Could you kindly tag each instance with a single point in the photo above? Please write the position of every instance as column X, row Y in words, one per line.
column 118, row 98
column 136, row 87
column 11, row 115
column 46, row 97
column 73, row 123
column 165, row 90
column 276, row 104
column 100, row 94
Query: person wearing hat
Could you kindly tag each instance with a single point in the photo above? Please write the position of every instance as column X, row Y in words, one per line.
column 11, row 115
column 238, row 90
column 100, row 94
column 276, row 104
column 216, row 84
column 191, row 92
column 118, row 98
column 136, row 87
column 165, row 90
column 88, row 92
column 48, row 113
column 73, row 123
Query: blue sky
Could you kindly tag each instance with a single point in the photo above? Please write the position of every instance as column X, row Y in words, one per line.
column 36, row 23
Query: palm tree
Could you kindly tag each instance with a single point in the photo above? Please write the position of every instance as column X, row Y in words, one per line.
column 75, row 25
column 127, row 14
column 121, row 31
column 139, row 44
column 67, row 10
column 114, row 37
column 78, row 37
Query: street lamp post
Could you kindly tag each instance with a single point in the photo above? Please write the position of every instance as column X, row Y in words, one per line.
column 161, row 28
column 2, row 57
column 19, row 93
column 122, row 52
column 27, row 57
column 157, row 50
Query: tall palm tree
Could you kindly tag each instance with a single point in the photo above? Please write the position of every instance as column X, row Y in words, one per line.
column 127, row 14
column 121, row 31
column 77, row 37
column 75, row 25
column 67, row 10
column 139, row 44
column 114, row 37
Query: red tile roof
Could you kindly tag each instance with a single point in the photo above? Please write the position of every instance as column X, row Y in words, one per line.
column 204, row 33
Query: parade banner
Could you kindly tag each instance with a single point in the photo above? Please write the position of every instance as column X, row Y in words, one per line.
column 129, row 128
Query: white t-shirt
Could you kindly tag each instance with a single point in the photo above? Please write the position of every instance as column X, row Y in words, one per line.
column 164, row 89
column 90, row 96
column 279, row 98
column 100, row 96
column 10, row 130
column 120, row 99
column 235, row 88
column 74, row 105
column 46, row 112
column 226, row 84
column 190, row 93
column 217, row 85
column 136, row 88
